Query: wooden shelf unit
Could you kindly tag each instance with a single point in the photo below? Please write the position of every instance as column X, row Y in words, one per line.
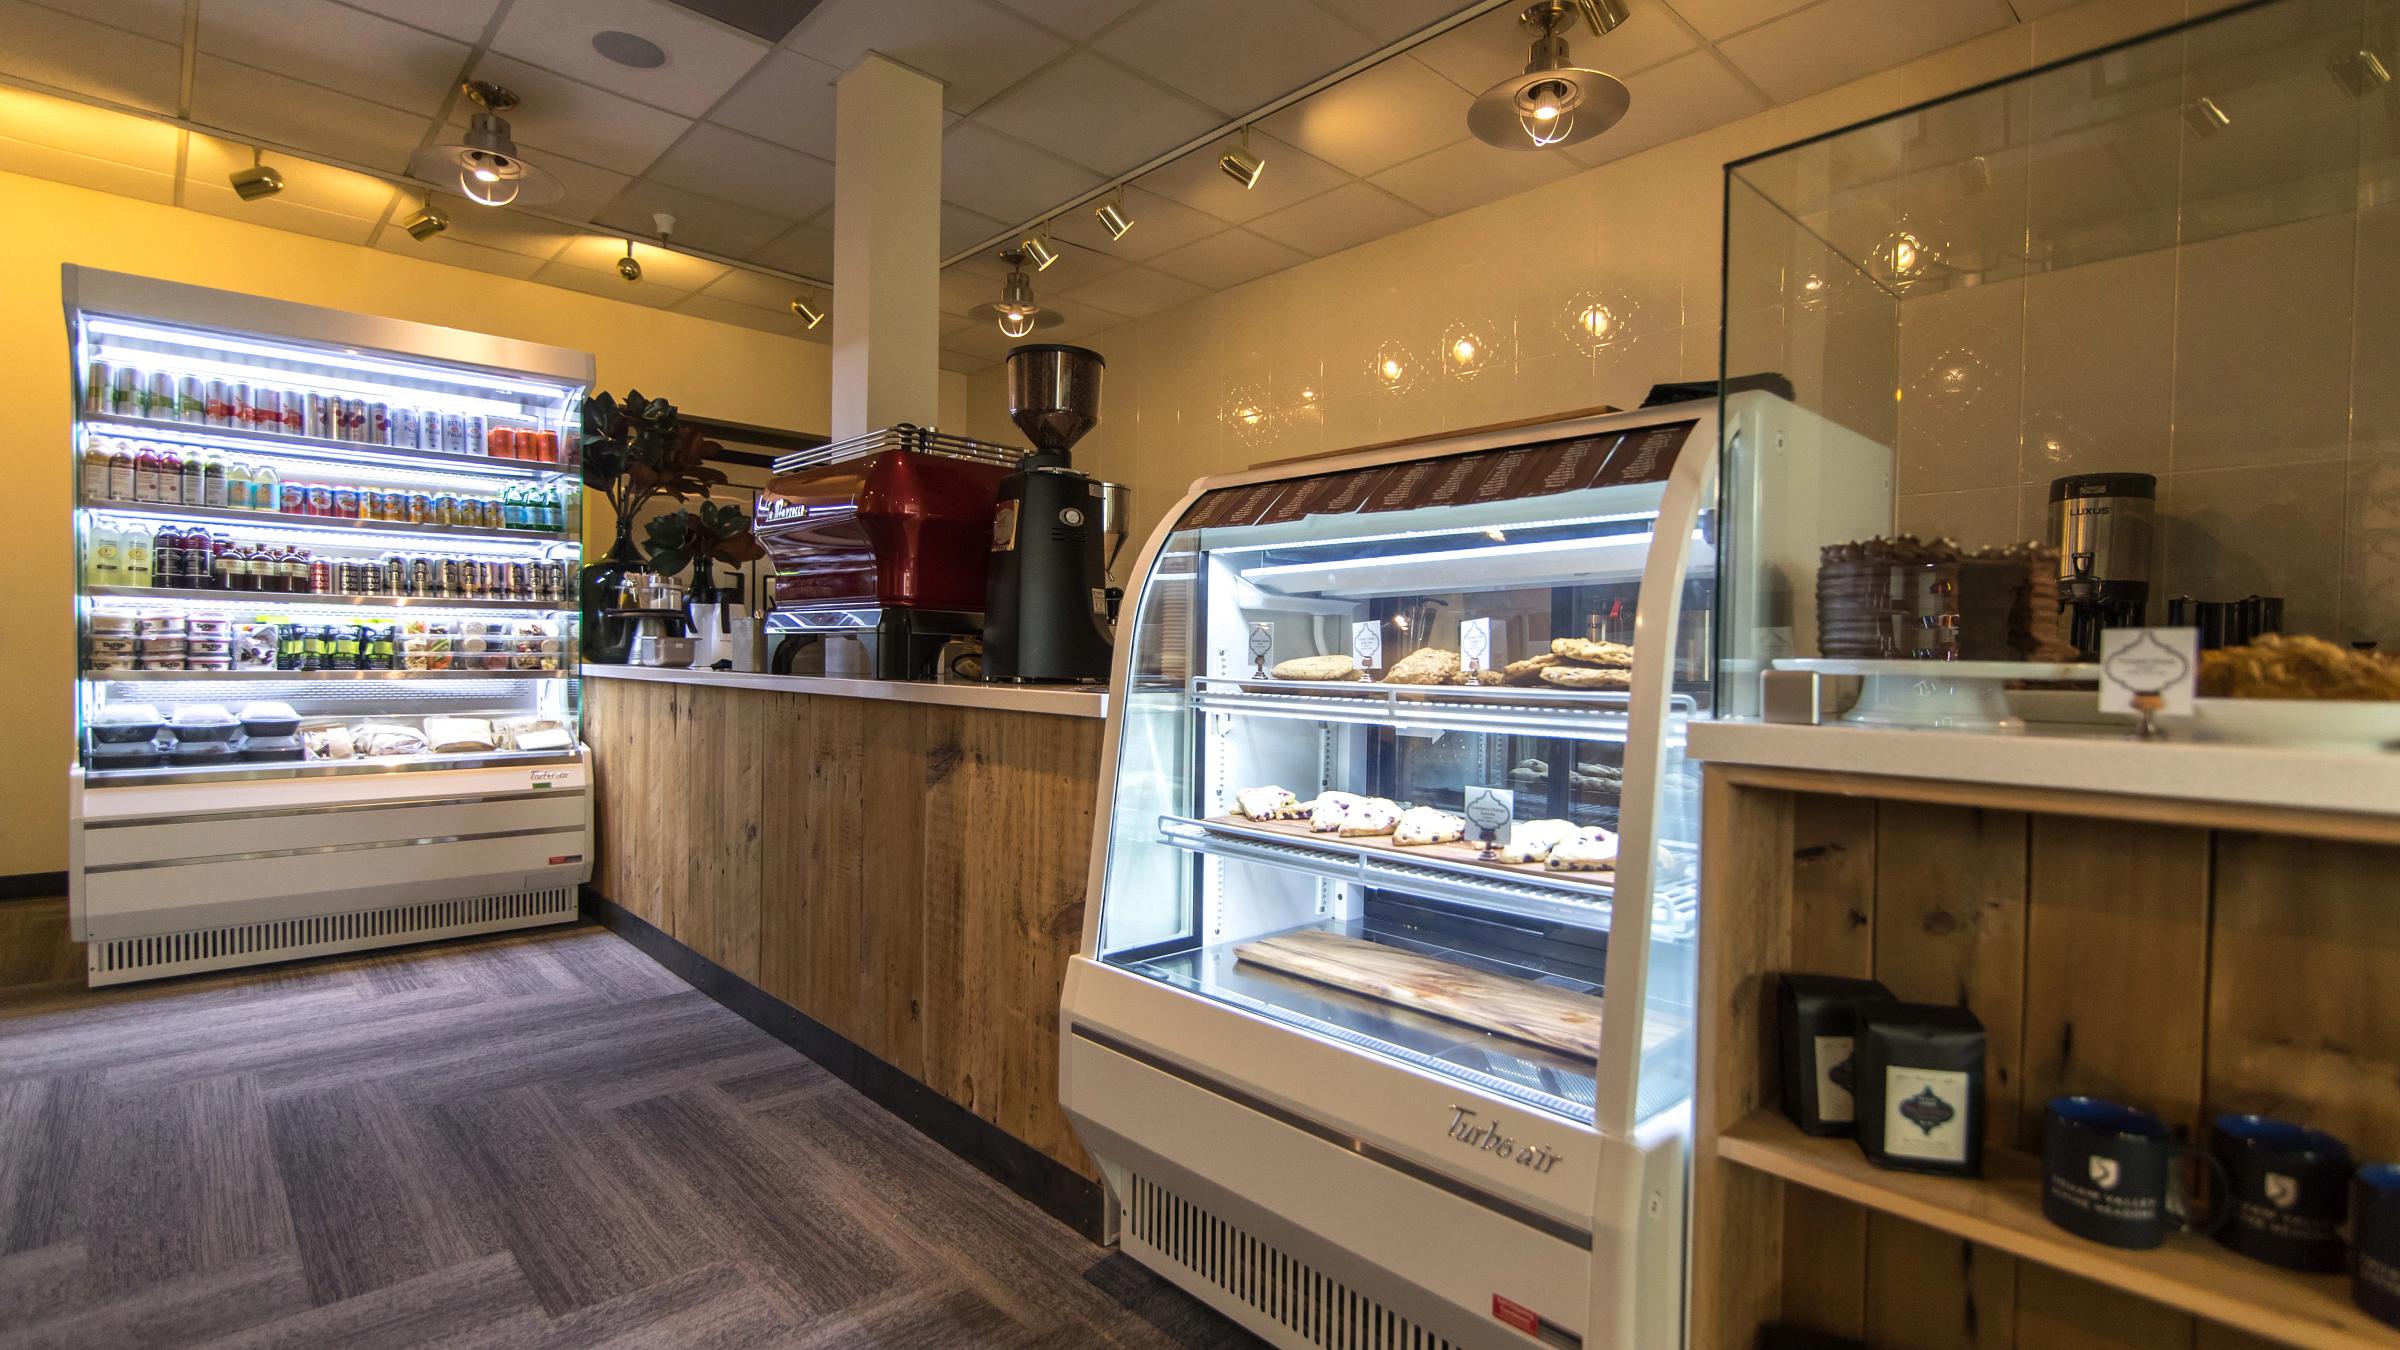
column 2207, row 965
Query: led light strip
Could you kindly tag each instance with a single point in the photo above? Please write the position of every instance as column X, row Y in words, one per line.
column 270, row 605
column 268, row 446
column 1446, row 532
column 108, row 326
column 1534, row 548
column 381, row 477
column 309, row 381
column 376, row 541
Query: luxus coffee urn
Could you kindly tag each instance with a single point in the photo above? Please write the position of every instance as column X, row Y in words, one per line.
column 2100, row 524
column 1046, row 615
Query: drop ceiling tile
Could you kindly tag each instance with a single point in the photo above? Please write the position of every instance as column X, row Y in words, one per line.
column 36, row 160
column 963, row 291
column 461, row 19
column 579, row 120
column 1390, row 20
column 1159, row 226
column 966, row 364
column 1837, row 41
column 975, row 50
column 1078, row 19
column 1133, row 292
column 1228, row 259
column 65, row 51
column 749, row 171
column 492, row 228
column 1479, row 54
column 758, row 290
column 962, row 228
column 1082, row 322
column 1076, row 265
column 1097, row 114
column 1234, row 55
column 598, row 254
column 80, row 130
column 701, row 221
column 1723, row 18
column 246, row 101
column 1684, row 97
column 1377, row 118
column 459, row 253
column 1290, row 176
column 1005, row 178
column 217, row 199
column 787, row 99
column 610, row 286
column 804, row 249
column 336, row 48
column 989, row 343
column 780, row 321
column 704, row 59
column 1470, row 173
column 160, row 19
column 1342, row 218
column 305, row 182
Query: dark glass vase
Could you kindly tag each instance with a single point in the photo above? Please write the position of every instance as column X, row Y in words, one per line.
column 609, row 641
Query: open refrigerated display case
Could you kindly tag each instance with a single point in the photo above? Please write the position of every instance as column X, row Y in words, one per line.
column 1357, row 1084
column 327, row 692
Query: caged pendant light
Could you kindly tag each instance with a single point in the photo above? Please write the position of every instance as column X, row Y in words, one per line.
column 1016, row 311
column 1555, row 102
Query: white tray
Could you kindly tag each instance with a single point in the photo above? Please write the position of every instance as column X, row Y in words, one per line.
column 1953, row 695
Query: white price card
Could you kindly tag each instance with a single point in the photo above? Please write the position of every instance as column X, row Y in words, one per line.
column 1489, row 810
column 2152, row 670
column 1262, row 646
column 1475, row 645
column 1366, row 644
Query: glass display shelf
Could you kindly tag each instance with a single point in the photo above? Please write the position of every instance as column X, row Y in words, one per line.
column 280, row 520
column 269, row 445
column 313, row 676
column 281, row 600
column 381, row 764
column 1470, row 708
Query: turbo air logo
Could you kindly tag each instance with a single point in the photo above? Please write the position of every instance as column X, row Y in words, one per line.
column 1467, row 1129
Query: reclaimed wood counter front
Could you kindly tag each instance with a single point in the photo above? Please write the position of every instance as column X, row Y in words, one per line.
column 908, row 875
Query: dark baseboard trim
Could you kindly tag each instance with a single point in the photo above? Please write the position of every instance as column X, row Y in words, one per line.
column 33, row 885
column 1056, row 1189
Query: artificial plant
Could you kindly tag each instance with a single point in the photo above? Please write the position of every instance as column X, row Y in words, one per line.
column 640, row 449
column 710, row 532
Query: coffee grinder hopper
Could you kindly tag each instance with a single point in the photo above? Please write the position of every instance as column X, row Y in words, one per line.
column 1054, row 397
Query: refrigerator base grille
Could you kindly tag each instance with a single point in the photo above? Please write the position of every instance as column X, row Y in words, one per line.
column 124, row 960
column 1299, row 1305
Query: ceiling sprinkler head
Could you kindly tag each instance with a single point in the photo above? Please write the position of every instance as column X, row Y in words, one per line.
column 665, row 224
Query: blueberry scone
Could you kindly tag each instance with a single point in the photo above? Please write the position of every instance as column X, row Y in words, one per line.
column 1330, row 809
column 1268, row 803
column 1591, row 850
column 1374, row 816
column 1530, row 841
column 1426, row 825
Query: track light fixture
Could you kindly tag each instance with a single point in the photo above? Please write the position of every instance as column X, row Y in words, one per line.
column 1016, row 311
column 629, row 267
column 1555, row 102
column 426, row 223
column 256, row 181
column 1240, row 165
column 1111, row 215
column 810, row 315
column 1037, row 248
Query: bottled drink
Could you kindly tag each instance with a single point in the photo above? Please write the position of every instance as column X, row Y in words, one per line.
column 134, row 554
column 266, row 487
column 237, row 485
column 95, row 471
column 320, row 576
column 223, row 554
column 120, row 472
column 145, row 475
column 103, row 556
column 166, row 556
column 213, row 482
column 170, row 478
column 195, row 480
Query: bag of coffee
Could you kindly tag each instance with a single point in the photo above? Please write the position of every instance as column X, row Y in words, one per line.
column 1819, row 1023
column 1920, row 1088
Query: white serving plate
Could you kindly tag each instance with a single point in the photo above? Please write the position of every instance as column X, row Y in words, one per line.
column 2315, row 724
column 1950, row 695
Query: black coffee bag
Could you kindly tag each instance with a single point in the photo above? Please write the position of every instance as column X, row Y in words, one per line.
column 1920, row 1088
column 1819, row 1023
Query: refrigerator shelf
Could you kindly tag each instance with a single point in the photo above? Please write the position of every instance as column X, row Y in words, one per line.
column 315, row 448
column 242, row 772
column 277, row 600
column 281, row 520
column 1468, row 708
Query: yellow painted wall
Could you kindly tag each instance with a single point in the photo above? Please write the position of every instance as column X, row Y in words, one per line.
column 711, row 369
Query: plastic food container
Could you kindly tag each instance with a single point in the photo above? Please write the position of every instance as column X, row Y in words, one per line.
column 160, row 625
column 273, row 721
column 200, row 754
column 202, row 723
column 112, row 646
column 272, row 749
column 208, row 626
column 174, row 662
column 106, row 758
column 111, row 624
column 124, row 724
column 209, row 663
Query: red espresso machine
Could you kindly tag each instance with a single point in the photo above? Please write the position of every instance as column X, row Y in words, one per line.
column 886, row 538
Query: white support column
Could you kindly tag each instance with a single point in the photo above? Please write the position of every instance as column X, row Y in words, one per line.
column 887, row 223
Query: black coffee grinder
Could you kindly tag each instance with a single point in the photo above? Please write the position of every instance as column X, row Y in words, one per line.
column 1046, row 612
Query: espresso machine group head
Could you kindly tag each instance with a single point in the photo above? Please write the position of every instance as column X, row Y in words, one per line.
column 1047, row 615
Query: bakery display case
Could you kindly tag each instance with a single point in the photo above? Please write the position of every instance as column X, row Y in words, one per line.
column 326, row 693
column 1385, row 1008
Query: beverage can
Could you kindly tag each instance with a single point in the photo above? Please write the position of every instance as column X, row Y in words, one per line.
column 96, row 380
column 404, row 426
column 266, row 409
column 420, row 508
column 518, row 585
column 320, row 500
column 219, row 396
column 345, row 503
column 244, row 412
column 444, row 510
column 318, row 417
column 191, row 400
column 454, row 433
column 478, row 435
column 354, row 419
column 395, row 575
column 292, row 498
column 320, row 575
column 379, row 423
column 452, row 582
column 295, row 412
column 158, row 396
column 421, row 577
column 125, row 392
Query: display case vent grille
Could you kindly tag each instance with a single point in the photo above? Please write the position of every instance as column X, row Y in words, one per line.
column 123, row 960
column 1313, row 1307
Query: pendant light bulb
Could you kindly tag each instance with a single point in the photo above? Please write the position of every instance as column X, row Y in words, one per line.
column 1240, row 165
column 1112, row 217
column 1016, row 325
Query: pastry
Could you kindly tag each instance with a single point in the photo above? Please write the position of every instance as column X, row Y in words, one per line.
column 1330, row 809
column 1588, row 677
column 1426, row 825
column 1373, row 816
column 1592, row 653
column 1426, row 665
column 1596, row 782
column 1317, row 668
column 1268, row 803
column 1592, row 849
column 1530, row 841
column 2275, row 666
column 1529, row 670
column 1484, row 676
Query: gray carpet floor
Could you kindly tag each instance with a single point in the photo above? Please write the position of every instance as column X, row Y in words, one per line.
column 533, row 1143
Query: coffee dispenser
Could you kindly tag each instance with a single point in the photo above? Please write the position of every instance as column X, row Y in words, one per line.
column 1046, row 612
column 2100, row 524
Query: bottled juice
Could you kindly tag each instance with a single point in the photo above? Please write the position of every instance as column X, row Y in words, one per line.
column 134, row 556
column 95, row 471
column 145, row 475
column 120, row 472
column 212, row 481
column 103, row 556
column 195, row 479
column 237, row 485
column 166, row 556
column 266, row 488
column 170, row 478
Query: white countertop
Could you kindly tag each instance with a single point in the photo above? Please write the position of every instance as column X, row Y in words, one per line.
column 2366, row 783
column 1056, row 700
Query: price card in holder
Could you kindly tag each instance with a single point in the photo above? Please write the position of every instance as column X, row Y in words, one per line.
column 2152, row 671
column 1488, row 811
column 1262, row 646
column 1366, row 644
column 1475, row 645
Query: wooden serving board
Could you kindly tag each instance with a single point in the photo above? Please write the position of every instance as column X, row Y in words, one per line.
column 1551, row 1018
column 1460, row 852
